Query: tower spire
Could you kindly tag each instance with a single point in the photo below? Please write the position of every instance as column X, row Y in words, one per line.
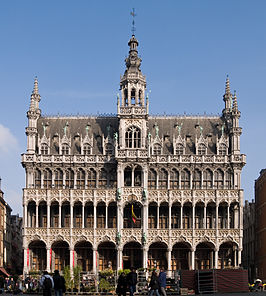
column 227, row 97
column 35, row 89
column 227, row 86
column 235, row 105
column 133, row 21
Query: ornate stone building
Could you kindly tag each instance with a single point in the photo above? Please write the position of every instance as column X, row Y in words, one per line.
column 133, row 189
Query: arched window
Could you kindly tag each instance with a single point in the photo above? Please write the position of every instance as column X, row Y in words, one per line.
column 126, row 97
column 157, row 149
column 222, row 149
column 174, row 179
column 133, row 135
column 113, row 178
column 47, row 179
column 185, row 179
column 207, row 179
column 128, row 176
column 86, row 149
column 80, row 179
column 140, row 97
column 163, row 176
column 197, row 179
column 44, row 149
column 152, row 179
column 228, row 180
column 219, row 179
column 102, row 179
column 133, row 97
column 65, row 149
column 69, row 179
column 91, row 178
column 38, row 177
column 137, row 176
column 179, row 150
column 109, row 149
column 58, row 179
column 201, row 149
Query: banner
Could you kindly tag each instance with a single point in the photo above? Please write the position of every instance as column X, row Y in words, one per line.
column 28, row 257
column 50, row 257
column 134, row 217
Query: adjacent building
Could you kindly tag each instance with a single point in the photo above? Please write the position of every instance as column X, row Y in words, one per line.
column 133, row 189
column 16, row 244
column 249, row 238
column 260, row 209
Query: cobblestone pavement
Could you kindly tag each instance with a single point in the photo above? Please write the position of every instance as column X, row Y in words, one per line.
column 216, row 294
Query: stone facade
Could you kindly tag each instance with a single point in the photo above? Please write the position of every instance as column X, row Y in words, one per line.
column 133, row 189
column 16, row 244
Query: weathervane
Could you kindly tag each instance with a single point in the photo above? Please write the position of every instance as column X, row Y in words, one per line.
column 133, row 21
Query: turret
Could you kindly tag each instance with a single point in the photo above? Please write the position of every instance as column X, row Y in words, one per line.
column 33, row 114
column 235, row 129
column 227, row 98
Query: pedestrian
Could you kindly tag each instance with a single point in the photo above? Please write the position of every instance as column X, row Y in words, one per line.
column 47, row 284
column 59, row 283
column 154, row 284
column 122, row 285
column 162, row 281
column 132, row 281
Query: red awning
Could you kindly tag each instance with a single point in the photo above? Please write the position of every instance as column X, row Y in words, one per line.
column 4, row 271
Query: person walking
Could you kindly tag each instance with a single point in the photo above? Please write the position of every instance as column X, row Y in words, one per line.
column 59, row 283
column 122, row 285
column 162, row 281
column 47, row 284
column 154, row 284
column 132, row 281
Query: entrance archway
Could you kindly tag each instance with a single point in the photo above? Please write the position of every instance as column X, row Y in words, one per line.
column 132, row 255
column 227, row 255
column 61, row 255
column 107, row 256
column 180, row 256
column 157, row 255
column 84, row 255
column 37, row 255
column 204, row 256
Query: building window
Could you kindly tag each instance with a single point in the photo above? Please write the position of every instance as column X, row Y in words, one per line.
column 44, row 149
column 185, row 179
column 38, row 177
column 86, row 149
column 91, row 178
column 109, row 149
column 207, row 179
column 179, row 150
column 228, row 180
column 133, row 97
column 174, row 179
column 137, row 176
column 152, row 179
column 222, row 149
column 58, row 179
column 157, row 149
column 69, row 179
column 128, row 177
column 80, row 179
column 133, row 135
column 113, row 178
column 197, row 179
column 201, row 149
column 102, row 179
column 47, row 179
column 219, row 179
column 65, row 149
column 163, row 178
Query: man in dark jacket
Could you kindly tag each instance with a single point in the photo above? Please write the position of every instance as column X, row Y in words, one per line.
column 59, row 283
column 132, row 281
column 162, row 281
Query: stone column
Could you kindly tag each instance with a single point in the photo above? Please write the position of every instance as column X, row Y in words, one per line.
column 158, row 216
column 94, row 216
column 95, row 259
column 181, row 216
column 37, row 216
column 192, row 258
column 119, row 258
column 83, row 215
column 106, row 216
column 26, row 267
column 25, row 215
column 71, row 215
column 71, row 259
column 216, row 215
column 215, row 258
column 145, row 257
column 60, row 216
column 228, row 216
column 48, row 215
column 170, row 216
column 168, row 255
column 193, row 216
column 239, row 256
column 48, row 260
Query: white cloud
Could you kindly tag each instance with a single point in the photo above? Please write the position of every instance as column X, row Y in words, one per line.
column 7, row 140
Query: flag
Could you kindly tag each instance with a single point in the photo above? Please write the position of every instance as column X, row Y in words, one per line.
column 134, row 217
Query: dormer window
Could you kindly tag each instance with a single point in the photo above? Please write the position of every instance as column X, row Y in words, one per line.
column 157, row 149
column 222, row 149
column 65, row 149
column 179, row 149
column 133, row 137
column 44, row 149
column 201, row 149
column 86, row 149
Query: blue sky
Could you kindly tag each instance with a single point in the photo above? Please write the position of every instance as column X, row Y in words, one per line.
column 77, row 50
